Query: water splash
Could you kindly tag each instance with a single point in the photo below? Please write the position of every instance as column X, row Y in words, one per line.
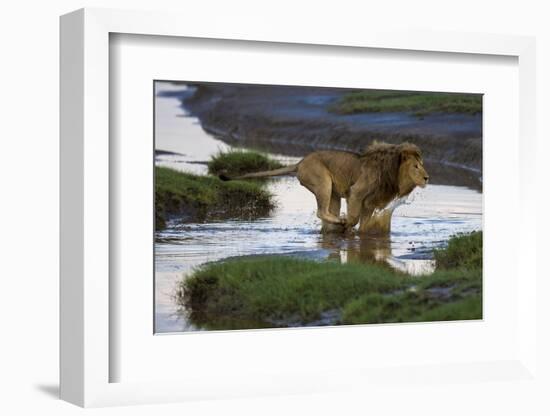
column 379, row 224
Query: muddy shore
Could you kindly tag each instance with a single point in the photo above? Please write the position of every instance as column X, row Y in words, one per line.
column 296, row 120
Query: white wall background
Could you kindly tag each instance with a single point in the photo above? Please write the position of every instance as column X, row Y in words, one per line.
column 29, row 56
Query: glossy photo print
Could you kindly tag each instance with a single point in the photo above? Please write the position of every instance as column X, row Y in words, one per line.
column 298, row 206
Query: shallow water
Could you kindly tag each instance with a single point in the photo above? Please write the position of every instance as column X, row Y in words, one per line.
column 426, row 220
column 180, row 142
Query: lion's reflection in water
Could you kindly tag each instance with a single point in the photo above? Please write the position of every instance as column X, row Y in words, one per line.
column 373, row 250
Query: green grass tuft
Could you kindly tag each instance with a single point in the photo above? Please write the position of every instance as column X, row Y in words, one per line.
column 418, row 103
column 273, row 291
column 239, row 162
column 449, row 296
column 194, row 198
column 462, row 252
column 279, row 288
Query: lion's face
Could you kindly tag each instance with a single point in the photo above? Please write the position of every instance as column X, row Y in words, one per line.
column 412, row 174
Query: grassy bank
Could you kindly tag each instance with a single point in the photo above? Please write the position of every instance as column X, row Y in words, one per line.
column 239, row 162
column 453, row 292
column 274, row 291
column 194, row 198
column 465, row 252
column 418, row 103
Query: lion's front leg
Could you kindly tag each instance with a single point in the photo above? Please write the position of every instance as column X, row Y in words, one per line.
column 355, row 204
column 358, row 192
column 366, row 215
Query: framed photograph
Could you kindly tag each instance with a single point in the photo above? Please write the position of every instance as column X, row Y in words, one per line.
column 273, row 214
column 250, row 184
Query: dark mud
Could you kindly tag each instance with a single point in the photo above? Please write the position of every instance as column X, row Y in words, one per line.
column 294, row 121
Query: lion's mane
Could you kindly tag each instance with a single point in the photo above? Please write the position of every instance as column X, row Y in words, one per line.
column 383, row 161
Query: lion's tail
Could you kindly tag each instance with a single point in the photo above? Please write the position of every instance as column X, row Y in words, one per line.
column 265, row 174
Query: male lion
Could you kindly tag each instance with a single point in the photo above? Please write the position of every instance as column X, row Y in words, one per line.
column 368, row 181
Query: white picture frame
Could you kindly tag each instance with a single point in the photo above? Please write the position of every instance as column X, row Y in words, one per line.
column 86, row 356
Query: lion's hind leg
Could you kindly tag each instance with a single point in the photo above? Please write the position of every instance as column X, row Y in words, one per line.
column 323, row 212
column 318, row 181
column 334, row 209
